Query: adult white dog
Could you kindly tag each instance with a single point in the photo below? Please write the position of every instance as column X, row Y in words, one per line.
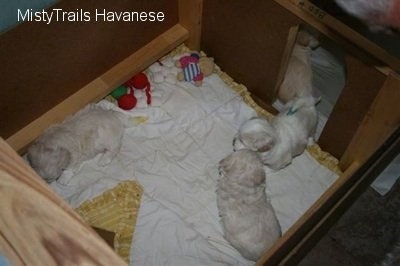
column 285, row 137
column 80, row 137
column 247, row 217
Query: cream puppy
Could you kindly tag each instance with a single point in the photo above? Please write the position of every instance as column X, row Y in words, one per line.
column 247, row 217
column 285, row 137
column 298, row 77
column 89, row 132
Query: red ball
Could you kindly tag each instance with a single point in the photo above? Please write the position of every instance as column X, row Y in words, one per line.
column 127, row 101
column 139, row 81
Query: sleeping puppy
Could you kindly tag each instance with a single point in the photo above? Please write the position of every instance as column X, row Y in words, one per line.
column 247, row 217
column 298, row 77
column 89, row 132
column 284, row 138
column 379, row 15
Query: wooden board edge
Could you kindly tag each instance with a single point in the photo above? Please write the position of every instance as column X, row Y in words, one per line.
column 381, row 120
column 37, row 226
column 101, row 86
column 287, row 53
column 358, row 179
column 363, row 49
column 291, row 238
column 190, row 17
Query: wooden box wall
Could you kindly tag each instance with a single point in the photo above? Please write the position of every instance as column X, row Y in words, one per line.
column 65, row 56
column 247, row 39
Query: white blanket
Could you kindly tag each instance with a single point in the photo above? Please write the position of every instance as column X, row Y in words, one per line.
column 174, row 155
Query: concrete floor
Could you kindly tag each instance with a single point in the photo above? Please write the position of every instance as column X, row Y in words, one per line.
column 363, row 234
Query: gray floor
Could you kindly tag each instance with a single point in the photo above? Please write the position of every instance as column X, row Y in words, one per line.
column 363, row 235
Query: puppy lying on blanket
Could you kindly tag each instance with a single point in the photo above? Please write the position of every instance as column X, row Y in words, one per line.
column 284, row 138
column 248, row 219
column 89, row 132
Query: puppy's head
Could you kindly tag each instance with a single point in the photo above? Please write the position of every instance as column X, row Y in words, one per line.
column 48, row 162
column 243, row 167
column 306, row 39
column 255, row 134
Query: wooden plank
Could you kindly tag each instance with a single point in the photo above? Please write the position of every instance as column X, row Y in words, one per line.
column 190, row 17
column 332, row 204
column 382, row 119
column 351, row 47
column 250, row 45
column 144, row 57
column 101, row 86
column 291, row 41
column 304, row 224
column 321, row 223
column 67, row 55
column 267, row 107
column 39, row 228
column 346, row 195
column 350, row 34
column 353, row 104
column 362, row 85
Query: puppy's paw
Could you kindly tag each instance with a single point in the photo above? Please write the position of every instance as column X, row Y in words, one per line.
column 310, row 141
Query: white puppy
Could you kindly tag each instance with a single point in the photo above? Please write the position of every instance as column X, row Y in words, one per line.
column 298, row 77
column 89, row 132
column 247, row 217
column 284, row 138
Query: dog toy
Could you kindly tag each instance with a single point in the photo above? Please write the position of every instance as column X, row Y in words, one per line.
column 195, row 68
column 165, row 71
column 124, row 94
column 140, row 82
column 118, row 92
column 127, row 101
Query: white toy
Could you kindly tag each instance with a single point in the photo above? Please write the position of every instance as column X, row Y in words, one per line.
column 164, row 71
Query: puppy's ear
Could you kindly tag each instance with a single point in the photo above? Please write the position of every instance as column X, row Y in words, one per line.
column 60, row 159
column 267, row 146
column 226, row 162
column 65, row 157
column 48, row 162
column 252, row 177
column 260, row 141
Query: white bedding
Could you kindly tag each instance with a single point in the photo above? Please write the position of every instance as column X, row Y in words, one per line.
column 174, row 155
